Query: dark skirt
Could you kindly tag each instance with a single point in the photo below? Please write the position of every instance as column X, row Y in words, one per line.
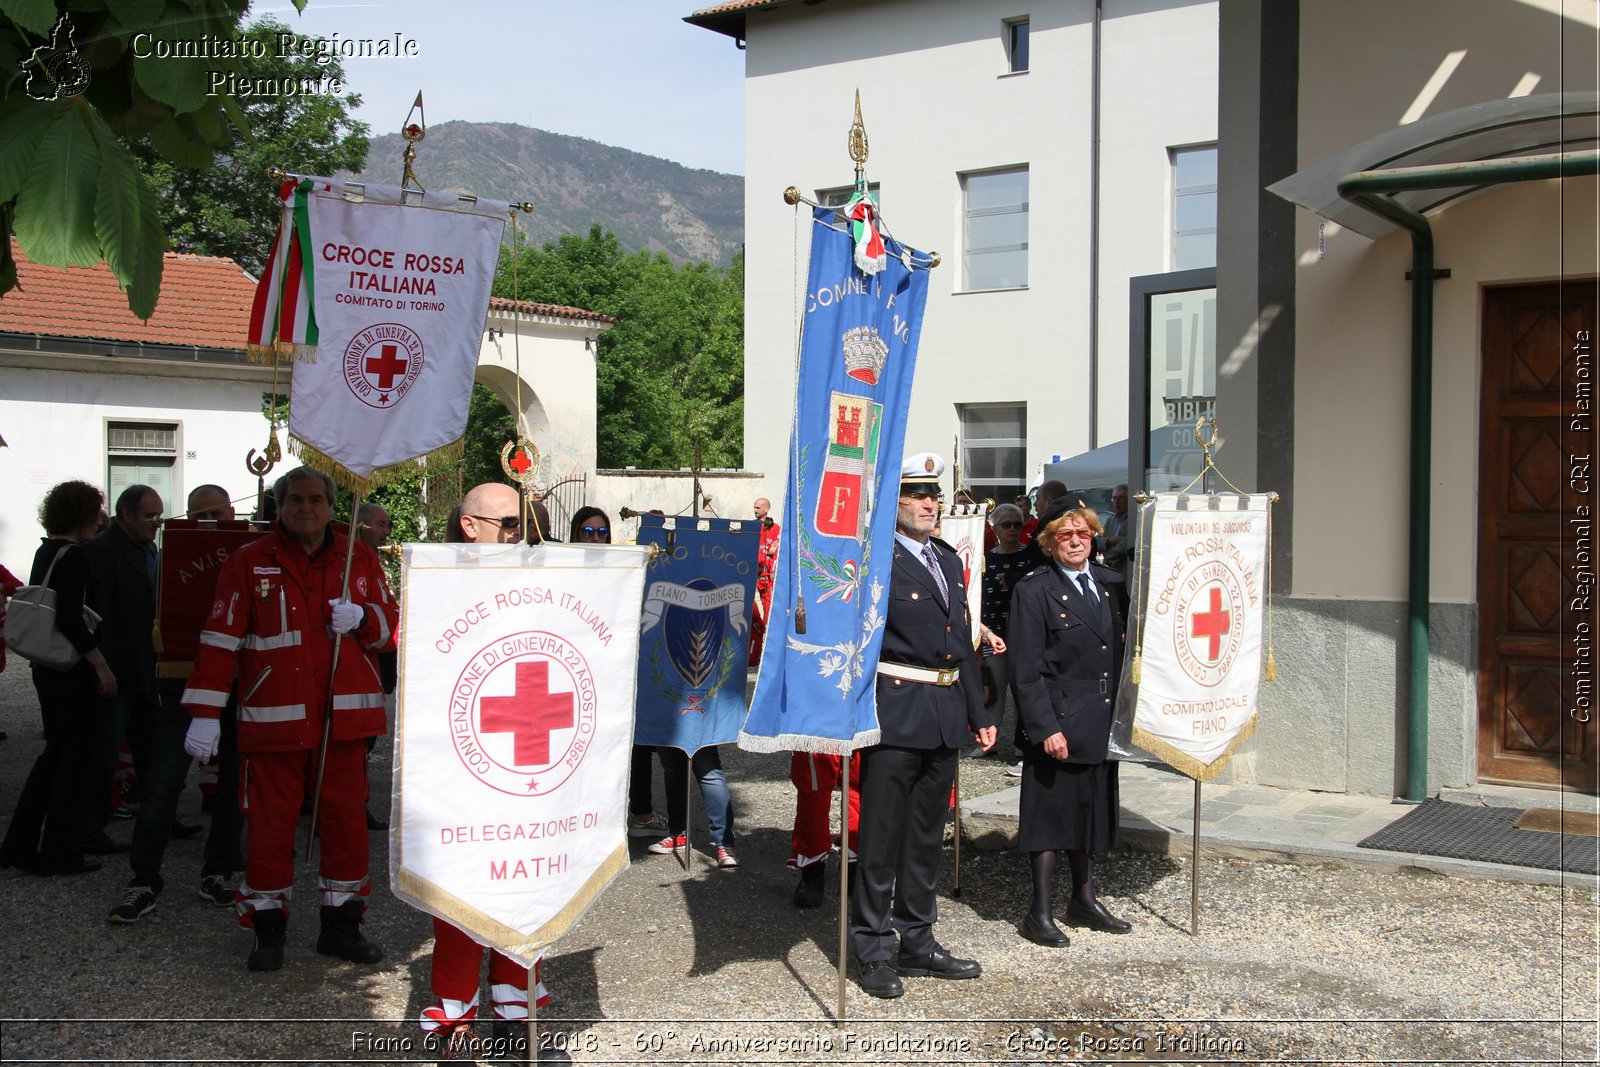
column 1066, row 805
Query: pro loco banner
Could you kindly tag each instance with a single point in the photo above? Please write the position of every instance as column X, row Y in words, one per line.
column 382, row 304
column 513, row 735
column 1200, row 628
column 815, row 689
column 694, row 640
column 962, row 529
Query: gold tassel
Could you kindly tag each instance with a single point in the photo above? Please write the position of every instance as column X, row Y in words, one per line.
column 1272, row 667
column 1135, row 671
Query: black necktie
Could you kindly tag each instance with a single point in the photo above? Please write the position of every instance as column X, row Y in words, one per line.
column 1090, row 595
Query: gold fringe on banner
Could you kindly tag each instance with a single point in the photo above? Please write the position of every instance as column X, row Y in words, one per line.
column 1187, row 764
column 311, row 456
column 280, row 351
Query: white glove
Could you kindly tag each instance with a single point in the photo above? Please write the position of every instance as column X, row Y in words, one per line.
column 202, row 738
column 346, row 616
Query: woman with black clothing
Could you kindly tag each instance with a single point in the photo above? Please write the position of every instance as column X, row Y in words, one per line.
column 48, row 824
column 1003, row 566
column 1066, row 636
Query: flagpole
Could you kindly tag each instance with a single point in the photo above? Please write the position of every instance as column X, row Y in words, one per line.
column 531, row 1053
column 844, row 880
column 333, row 671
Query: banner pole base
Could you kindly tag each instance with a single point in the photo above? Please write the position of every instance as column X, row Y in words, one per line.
column 1194, row 869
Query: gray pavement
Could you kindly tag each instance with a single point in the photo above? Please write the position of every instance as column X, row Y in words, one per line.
column 1285, row 825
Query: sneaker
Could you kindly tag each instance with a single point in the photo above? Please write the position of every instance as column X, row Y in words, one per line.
column 137, row 902
column 726, row 859
column 218, row 889
column 669, row 844
column 1015, row 770
column 646, row 824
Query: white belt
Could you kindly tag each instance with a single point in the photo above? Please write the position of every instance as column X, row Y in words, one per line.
column 926, row 675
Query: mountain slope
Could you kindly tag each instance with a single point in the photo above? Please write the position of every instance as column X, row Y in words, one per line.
column 575, row 183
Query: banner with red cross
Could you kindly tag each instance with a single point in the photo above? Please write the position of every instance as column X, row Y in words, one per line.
column 1202, row 602
column 397, row 295
column 513, row 736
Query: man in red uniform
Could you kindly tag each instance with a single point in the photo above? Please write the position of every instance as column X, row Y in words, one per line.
column 490, row 514
column 278, row 611
column 816, row 778
column 766, row 566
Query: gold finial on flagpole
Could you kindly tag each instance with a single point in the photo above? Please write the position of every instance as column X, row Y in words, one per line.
column 413, row 132
column 857, row 143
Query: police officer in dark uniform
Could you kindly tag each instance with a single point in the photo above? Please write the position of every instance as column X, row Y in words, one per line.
column 930, row 698
column 1065, row 635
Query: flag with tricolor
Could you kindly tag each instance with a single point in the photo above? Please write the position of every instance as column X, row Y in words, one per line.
column 380, row 297
column 816, row 687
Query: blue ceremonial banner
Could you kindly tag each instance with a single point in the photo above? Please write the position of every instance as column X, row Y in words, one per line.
column 816, row 688
column 694, row 636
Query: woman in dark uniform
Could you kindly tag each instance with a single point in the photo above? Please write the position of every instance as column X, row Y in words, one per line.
column 1066, row 633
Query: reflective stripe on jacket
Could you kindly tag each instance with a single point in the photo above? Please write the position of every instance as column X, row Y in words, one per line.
column 268, row 629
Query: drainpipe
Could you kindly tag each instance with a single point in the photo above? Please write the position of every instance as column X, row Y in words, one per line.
column 1366, row 189
column 1094, row 229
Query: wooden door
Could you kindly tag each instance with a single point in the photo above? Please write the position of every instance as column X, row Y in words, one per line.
column 1537, row 474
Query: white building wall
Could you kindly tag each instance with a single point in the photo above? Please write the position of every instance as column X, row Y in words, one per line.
column 937, row 101
column 556, row 358
column 53, row 414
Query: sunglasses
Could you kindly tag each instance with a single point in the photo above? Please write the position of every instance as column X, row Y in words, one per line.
column 597, row 531
column 1009, row 525
column 1071, row 535
column 505, row 522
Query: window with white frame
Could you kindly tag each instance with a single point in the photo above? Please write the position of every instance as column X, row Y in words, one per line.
column 1194, row 207
column 995, row 244
column 994, row 441
column 1016, row 38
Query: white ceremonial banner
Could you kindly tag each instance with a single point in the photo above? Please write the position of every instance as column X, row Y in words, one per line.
column 400, row 294
column 962, row 529
column 514, row 734
column 1202, row 625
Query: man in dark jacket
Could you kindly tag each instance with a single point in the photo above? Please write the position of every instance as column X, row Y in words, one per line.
column 930, row 699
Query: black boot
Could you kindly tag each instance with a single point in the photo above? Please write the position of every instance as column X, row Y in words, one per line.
column 813, row 879
column 270, row 926
column 341, row 934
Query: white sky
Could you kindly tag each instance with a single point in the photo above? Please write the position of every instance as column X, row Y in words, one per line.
column 629, row 73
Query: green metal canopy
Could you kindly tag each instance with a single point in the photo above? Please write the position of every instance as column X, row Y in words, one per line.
column 1493, row 130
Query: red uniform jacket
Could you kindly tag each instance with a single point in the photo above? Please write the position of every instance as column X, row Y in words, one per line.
column 269, row 627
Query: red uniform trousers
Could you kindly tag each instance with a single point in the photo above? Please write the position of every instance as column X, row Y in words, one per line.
column 816, row 776
column 454, row 981
column 275, row 785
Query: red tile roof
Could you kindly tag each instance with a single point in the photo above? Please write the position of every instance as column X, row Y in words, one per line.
column 205, row 302
column 728, row 17
column 560, row 311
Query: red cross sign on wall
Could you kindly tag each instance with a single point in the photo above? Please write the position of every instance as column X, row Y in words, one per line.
column 1212, row 624
column 529, row 714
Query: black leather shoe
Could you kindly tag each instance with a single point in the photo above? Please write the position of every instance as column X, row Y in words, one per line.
column 99, row 843
column 182, row 831
column 1043, row 931
column 74, row 865
column 880, row 980
column 376, row 822
column 937, row 964
column 1096, row 917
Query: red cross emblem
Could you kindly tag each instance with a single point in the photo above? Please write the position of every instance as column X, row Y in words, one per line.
column 1212, row 624
column 520, row 462
column 387, row 365
column 530, row 714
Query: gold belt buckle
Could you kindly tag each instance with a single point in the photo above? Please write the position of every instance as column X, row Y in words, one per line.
column 947, row 676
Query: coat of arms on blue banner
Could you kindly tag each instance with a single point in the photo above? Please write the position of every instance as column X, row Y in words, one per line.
column 858, row 354
column 694, row 641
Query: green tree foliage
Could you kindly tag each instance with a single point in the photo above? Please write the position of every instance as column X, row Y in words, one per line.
column 79, row 81
column 228, row 209
column 671, row 372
